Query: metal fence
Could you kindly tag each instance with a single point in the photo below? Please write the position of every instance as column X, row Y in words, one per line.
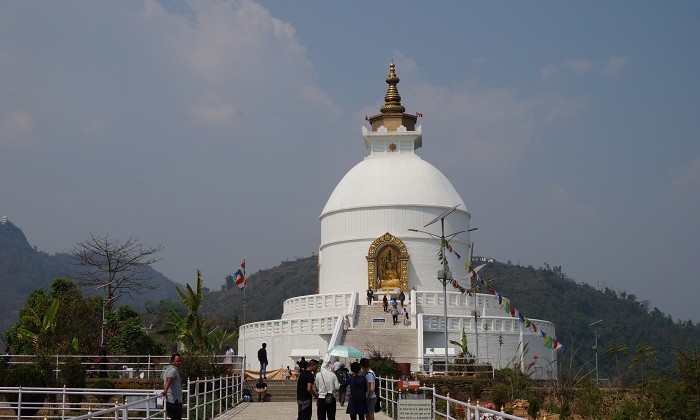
column 120, row 366
column 443, row 407
column 203, row 399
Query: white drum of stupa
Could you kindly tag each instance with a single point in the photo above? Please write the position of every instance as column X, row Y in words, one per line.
column 365, row 224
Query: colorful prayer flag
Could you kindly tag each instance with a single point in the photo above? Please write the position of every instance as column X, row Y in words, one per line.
column 241, row 281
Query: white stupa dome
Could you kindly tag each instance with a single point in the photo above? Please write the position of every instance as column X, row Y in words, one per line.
column 373, row 213
column 421, row 184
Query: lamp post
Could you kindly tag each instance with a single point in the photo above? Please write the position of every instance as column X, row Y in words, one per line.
column 595, row 349
column 109, row 298
column 444, row 275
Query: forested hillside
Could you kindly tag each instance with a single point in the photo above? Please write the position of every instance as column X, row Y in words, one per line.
column 544, row 293
column 266, row 291
column 539, row 293
column 23, row 268
column 547, row 293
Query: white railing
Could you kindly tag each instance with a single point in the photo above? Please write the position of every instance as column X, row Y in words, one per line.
column 122, row 366
column 496, row 324
column 340, row 324
column 203, row 399
column 320, row 325
column 306, row 306
column 443, row 407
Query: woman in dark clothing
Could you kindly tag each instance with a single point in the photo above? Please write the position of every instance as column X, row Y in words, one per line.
column 357, row 403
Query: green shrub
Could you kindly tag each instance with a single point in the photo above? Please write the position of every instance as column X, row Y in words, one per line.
column 475, row 390
column 73, row 375
column 103, row 384
column 499, row 395
column 533, row 407
column 589, row 402
column 26, row 376
column 384, row 367
column 196, row 366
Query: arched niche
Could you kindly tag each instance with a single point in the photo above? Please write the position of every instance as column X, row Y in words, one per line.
column 387, row 248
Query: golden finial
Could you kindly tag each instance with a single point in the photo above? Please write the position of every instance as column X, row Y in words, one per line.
column 392, row 100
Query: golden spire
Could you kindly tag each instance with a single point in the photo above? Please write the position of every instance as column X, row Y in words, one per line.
column 392, row 100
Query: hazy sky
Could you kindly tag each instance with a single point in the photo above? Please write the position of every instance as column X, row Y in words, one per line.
column 220, row 128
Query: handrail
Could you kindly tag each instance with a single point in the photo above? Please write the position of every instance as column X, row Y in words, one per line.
column 390, row 395
column 124, row 366
column 203, row 399
column 339, row 324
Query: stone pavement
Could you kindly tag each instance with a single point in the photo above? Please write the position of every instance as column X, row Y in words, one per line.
column 279, row 411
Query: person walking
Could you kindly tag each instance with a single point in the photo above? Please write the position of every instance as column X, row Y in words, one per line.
column 402, row 297
column 306, row 391
column 357, row 403
column 228, row 360
column 342, row 374
column 395, row 314
column 385, row 303
column 371, row 396
column 404, row 315
column 370, row 297
column 327, row 385
column 287, row 374
column 172, row 388
column 262, row 358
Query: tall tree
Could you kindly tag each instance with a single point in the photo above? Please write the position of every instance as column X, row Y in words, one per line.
column 117, row 266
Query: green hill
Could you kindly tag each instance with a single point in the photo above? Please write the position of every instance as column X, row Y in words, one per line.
column 23, row 268
column 543, row 293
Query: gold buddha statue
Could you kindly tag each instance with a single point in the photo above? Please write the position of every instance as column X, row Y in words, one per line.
column 390, row 277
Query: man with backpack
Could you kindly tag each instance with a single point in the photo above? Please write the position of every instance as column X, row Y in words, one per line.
column 342, row 374
column 371, row 395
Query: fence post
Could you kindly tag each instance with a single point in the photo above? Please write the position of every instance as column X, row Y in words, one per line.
column 19, row 403
column 447, row 406
column 211, row 396
column 63, row 403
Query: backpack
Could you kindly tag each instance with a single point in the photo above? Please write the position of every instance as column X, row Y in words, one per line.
column 377, row 392
column 247, row 396
column 341, row 374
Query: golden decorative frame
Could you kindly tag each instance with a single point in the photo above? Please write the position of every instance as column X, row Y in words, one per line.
column 379, row 244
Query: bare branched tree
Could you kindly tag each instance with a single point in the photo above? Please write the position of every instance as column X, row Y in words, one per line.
column 116, row 266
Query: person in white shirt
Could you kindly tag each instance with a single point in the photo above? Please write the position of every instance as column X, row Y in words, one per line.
column 228, row 360
column 327, row 385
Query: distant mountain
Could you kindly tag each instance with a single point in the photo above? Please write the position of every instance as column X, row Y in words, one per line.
column 23, row 268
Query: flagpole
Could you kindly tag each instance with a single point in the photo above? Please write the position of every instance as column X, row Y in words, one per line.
column 476, row 315
column 245, row 286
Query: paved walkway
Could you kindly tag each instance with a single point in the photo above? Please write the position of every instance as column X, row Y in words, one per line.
column 279, row 411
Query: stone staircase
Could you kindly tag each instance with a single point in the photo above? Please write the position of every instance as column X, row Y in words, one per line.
column 278, row 391
column 399, row 341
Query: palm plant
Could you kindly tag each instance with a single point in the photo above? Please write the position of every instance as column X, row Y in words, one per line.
column 190, row 330
column 44, row 326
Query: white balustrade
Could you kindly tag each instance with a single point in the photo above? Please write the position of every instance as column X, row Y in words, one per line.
column 310, row 305
column 321, row 325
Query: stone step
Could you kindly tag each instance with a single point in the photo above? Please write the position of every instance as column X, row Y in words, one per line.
column 398, row 341
column 278, row 391
column 366, row 314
